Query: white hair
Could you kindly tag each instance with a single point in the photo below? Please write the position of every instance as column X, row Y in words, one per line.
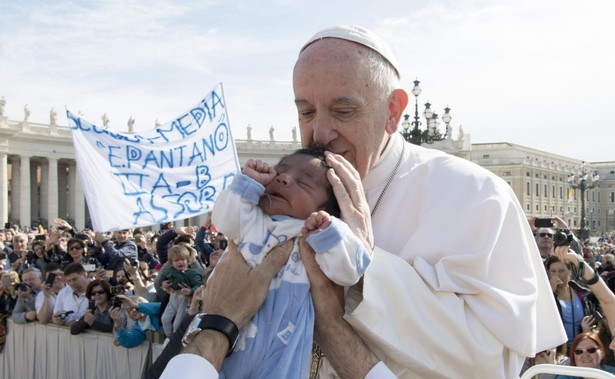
column 383, row 74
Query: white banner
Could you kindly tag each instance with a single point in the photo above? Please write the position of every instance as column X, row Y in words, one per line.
column 172, row 172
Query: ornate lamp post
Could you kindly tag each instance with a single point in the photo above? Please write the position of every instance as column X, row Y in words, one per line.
column 431, row 133
column 583, row 181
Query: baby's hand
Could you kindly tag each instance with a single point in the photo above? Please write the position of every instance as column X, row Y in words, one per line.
column 315, row 222
column 259, row 171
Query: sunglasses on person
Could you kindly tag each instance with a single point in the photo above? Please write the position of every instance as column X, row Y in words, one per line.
column 97, row 292
column 591, row 350
column 550, row 235
column 76, row 247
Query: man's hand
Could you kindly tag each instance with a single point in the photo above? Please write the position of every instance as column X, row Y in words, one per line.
column 559, row 223
column 30, row 315
column 566, row 255
column 348, row 190
column 259, row 171
column 62, row 224
column 335, row 336
column 236, row 290
column 316, row 221
column 57, row 320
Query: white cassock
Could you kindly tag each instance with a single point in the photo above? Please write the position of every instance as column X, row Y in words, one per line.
column 457, row 287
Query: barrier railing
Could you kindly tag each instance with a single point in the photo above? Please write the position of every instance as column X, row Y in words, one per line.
column 49, row 351
column 582, row 372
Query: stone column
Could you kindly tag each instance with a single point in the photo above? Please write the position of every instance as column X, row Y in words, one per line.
column 62, row 195
column 78, row 199
column 4, row 190
column 15, row 181
column 34, row 192
column 24, row 188
column 52, row 190
column 44, row 191
column 71, row 190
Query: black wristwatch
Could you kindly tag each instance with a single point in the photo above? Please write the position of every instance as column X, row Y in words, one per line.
column 202, row 321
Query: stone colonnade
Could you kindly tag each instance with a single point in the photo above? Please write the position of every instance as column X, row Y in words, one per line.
column 36, row 190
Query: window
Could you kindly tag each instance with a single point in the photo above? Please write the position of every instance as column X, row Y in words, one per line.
column 485, row 156
column 546, row 191
column 528, row 207
column 553, row 191
column 528, row 190
column 612, row 197
column 537, row 190
column 561, row 192
column 537, row 208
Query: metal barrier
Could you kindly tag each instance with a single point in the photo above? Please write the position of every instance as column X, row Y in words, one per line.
column 582, row 372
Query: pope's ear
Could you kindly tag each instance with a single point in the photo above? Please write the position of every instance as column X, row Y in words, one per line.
column 397, row 104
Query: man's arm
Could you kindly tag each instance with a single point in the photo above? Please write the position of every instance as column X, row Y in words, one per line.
column 19, row 312
column 236, row 292
column 44, row 310
column 334, row 335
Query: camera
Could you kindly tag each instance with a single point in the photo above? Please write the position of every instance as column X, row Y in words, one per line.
column 64, row 315
column 223, row 244
column 134, row 263
column 116, row 302
column 562, row 237
column 118, row 290
column 23, row 287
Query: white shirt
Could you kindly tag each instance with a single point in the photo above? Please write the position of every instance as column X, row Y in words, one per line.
column 40, row 298
column 66, row 301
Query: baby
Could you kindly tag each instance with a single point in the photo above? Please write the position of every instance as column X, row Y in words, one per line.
column 264, row 207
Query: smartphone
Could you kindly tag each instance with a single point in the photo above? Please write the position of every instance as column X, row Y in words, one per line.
column 40, row 237
column 92, row 305
column 50, row 279
column 89, row 267
column 543, row 222
column 81, row 236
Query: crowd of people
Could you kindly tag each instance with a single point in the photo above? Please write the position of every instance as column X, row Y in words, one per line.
column 130, row 283
column 582, row 279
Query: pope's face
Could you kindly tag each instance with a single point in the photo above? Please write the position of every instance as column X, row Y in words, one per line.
column 339, row 105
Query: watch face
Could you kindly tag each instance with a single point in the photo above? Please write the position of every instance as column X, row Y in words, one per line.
column 193, row 329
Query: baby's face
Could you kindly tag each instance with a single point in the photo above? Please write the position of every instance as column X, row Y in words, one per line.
column 299, row 188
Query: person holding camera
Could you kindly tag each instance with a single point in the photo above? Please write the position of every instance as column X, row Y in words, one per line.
column 25, row 310
column 591, row 278
column 145, row 316
column 96, row 316
column 138, row 272
column 72, row 301
column 549, row 230
column 46, row 298
column 113, row 254
column 21, row 258
column 76, row 253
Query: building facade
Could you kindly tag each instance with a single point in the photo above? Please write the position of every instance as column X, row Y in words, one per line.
column 540, row 181
column 39, row 180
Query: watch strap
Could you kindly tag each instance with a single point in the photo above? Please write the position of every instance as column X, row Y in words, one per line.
column 223, row 325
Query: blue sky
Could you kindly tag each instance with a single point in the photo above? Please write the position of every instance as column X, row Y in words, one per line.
column 537, row 73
